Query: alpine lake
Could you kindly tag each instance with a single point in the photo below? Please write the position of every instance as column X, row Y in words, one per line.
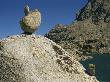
column 102, row 66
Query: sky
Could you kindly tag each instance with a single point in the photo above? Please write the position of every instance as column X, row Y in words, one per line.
column 53, row 12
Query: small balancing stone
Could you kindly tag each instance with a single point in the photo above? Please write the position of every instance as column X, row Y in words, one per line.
column 31, row 21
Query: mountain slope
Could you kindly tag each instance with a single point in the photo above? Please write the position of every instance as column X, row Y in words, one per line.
column 89, row 33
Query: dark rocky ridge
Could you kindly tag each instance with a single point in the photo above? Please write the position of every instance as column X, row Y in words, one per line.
column 90, row 32
column 96, row 10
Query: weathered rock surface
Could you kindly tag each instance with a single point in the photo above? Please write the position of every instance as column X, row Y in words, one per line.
column 32, row 58
column 30, row 22
column 90, row 32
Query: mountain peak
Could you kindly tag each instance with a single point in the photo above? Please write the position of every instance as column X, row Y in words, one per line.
column 89, row 33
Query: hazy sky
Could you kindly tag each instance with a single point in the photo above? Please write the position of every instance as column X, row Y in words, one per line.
column 53, row 12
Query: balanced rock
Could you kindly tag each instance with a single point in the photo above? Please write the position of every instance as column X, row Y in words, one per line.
column 30, row 22
column 32, row 58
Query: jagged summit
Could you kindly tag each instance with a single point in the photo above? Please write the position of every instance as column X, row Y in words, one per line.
column 96, row 10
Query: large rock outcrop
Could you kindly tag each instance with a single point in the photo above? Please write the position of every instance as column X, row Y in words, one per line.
column 32, row 58
column 89, row 33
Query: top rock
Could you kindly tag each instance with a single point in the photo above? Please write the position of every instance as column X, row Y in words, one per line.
column 30, row 22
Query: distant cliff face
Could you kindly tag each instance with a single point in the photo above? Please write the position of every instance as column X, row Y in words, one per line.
column 90, row 32
column 32, row 58
column 97, row 10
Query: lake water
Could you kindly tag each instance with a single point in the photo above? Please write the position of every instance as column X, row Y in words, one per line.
column 102, row 63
